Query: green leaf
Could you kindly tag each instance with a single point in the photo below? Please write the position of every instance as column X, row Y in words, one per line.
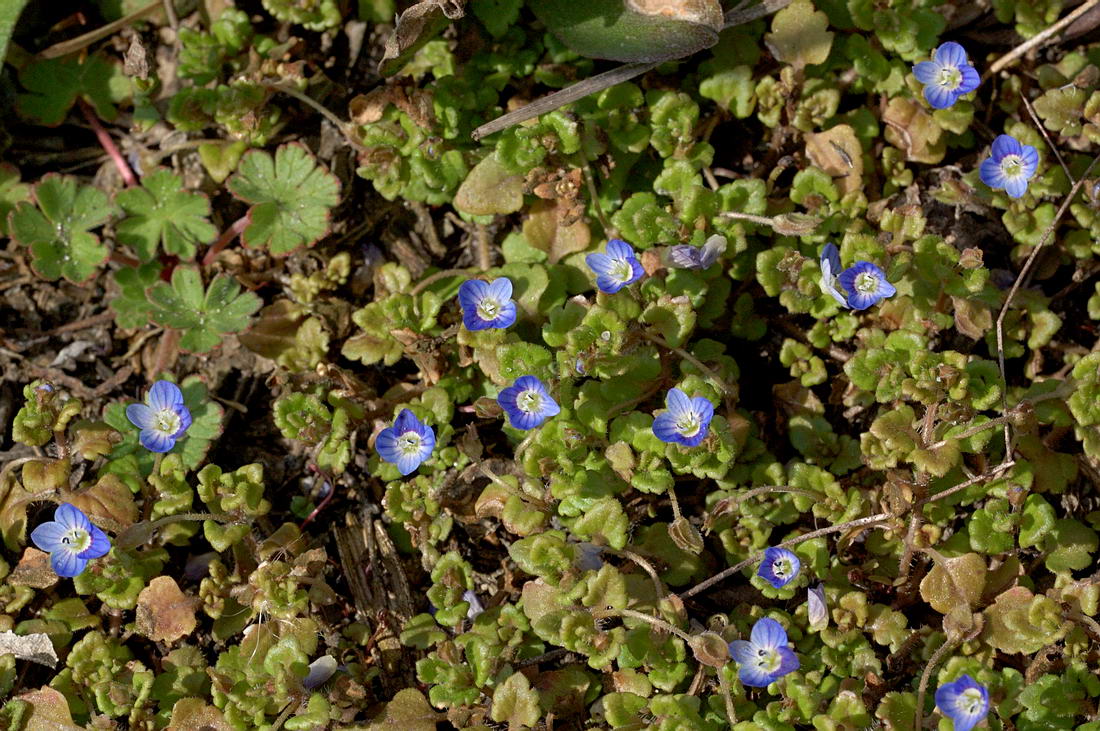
column 9, row 13
column 162, row 212
column 56, row 83
column 132, row 308
column 290, row 195
column 12, row 192
column 203, row 316
column 516, row 702
column 799, row 35
column 58, row 229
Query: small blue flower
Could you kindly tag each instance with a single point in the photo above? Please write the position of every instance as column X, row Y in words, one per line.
column 766, row 657
column 527, row 403
column 947, row 76
column 476, row 607
column 686, row 421
column 966, row 702
column 830, row 267
column 690, row 257
column 407, row 443
column 615, row 269
column 71, row 540
column 779, row 567
column 162, row 418
column 1010, row 166
column 816, row 609
column 866, row 285
column 487, row 304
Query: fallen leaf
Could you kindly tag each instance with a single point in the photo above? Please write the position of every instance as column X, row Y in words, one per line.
column 415, row 27
column 490, row 188
column 33, row 570
column 35, row 647
column 49, row 711
column 544, row 231
column 164, row 613
column 837, row 151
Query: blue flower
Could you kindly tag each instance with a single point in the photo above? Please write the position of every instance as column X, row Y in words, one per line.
column 866, row 285
column 816, row 609
column 162, row 418
column 830, row 267
column 527, row 403
column 779, row 567
column 1009, row 166
column 71, row 540
column 487, row 304
column 947, row 76
column 766, row 657
column 407, row 443
column 686, row 421
column 615, row 269
column 966, row 702
column 690, row 257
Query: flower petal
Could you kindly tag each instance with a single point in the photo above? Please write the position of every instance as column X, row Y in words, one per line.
column 66, row 563
column 830, row 259
column 469, row 294
column 788, row 662
column 156, row 441
column 501, row 289
column 754, row 676
column 99, row 545
column 1030, row 156
column 406, row 421
column 636, row 271
column 664, row 427
column 507, row 316
column 140, row 415
column 47, row 536
column 768, row 634
column 970, row 80
column 742, row 651
column 72, row 518
column 609, row 284
column 927, row 72
column 860, row 301
column 950, row 54
column 991, row 173
column 619, row 249
column 185, row 421
column 164, row 395
column 1005, row 145
column 599, row 263
column 685, row 257
column 939, row 97
column 386, row 444
column 677, row 402
column 1015, row 185
column 407, row 463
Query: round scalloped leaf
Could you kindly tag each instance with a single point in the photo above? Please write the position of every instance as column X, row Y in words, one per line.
column 633, row 30
column 162, row 212
column 291, row 196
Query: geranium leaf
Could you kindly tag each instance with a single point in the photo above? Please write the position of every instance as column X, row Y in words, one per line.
column 57, row 230
column 56, row 83
column 132, row 308
column 161, row 211
column 291, row 196
column 203, row 315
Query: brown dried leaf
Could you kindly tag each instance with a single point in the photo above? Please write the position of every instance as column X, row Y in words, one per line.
column 190, row 714
column 953, row 582
column 837, row 151
column 416, row 103
column 33, row 570
column 490, row 188
column 108, row 503
column 415, row 27
column 973, row 319
column 910, row 128
column 164, row 613
column 49, row 711
column 546, row 231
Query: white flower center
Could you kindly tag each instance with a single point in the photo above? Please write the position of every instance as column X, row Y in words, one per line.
column 77, row 540
column 688, row 425
column 782, row 568
column 1012, row 166
column 529, row 401
column 488, row 308
column 950, row 78
column 768, row 660
column 621, row 270
column 970, row 701
column 866, row 283
column 408, row 443
column 166, row 421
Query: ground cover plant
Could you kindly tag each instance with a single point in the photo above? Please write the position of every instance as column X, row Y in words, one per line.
column 487, row 364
